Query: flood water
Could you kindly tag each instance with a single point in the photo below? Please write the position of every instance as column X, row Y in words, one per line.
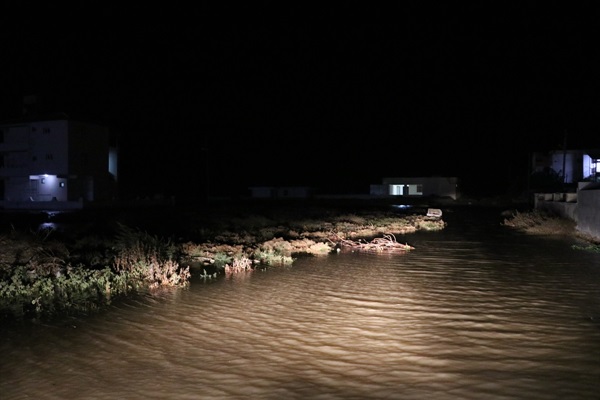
column 476, row 311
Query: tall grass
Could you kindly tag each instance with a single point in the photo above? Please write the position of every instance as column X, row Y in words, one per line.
column 40, row 279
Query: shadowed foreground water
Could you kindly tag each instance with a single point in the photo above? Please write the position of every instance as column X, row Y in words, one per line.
column 474, row 312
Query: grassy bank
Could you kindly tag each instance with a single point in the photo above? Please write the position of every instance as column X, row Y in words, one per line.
column 536, row 222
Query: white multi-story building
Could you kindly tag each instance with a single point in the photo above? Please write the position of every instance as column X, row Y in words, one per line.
column 56, row 163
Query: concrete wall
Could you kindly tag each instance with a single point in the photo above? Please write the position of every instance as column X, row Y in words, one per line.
column 585, row 211
column 560, row 208
column 588, row 212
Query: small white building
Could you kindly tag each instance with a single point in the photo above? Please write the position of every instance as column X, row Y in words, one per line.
column 280, row 192
column 54, row 162
column 417, row 187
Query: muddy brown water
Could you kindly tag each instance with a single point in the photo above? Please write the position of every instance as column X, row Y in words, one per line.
column 476, row 311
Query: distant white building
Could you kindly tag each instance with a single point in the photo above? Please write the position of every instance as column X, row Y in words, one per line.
column 280, row 192
column 55, row 162
column 417, row 187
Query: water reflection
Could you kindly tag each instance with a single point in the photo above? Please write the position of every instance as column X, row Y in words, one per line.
column 473, row 312
column 47, row 227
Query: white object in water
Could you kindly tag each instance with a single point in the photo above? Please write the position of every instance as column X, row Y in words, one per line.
column 434, row 212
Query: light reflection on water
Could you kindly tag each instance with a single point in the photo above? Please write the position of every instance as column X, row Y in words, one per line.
column 471, row 313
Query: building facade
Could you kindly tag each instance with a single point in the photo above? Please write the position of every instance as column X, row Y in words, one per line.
column 280, row 192
column 571, row 166
column 417, row 187
column 54, row 162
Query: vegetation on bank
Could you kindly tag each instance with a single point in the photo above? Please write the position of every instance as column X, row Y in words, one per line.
column 537, row 222
column 44, row 273
column 40, row 276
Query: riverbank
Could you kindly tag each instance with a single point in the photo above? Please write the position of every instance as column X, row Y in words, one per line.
column 76, row 262
column 543, row 223
column 79, row 261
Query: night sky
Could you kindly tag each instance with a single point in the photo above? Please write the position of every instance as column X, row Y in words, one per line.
column 334, row 96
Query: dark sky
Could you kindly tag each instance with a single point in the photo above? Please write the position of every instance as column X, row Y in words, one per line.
column 334, row 96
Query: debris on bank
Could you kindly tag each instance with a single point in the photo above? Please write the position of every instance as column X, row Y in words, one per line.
column 387, row 243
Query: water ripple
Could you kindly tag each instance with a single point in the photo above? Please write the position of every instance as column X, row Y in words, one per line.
column 455, row 319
